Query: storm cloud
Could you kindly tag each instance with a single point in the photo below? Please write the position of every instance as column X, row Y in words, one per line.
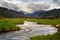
column 41, row 6
column 30, row 5
column 57, row 1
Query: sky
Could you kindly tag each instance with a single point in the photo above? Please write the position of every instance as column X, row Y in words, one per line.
column 30, row 5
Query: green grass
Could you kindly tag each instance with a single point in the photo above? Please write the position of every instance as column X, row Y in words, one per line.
column 10, row 25
column 45, row 21
column 47, row 37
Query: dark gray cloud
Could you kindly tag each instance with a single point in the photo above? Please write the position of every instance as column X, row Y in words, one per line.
column 57, row 1
column 30, row 5
column 35, row 7
column 8, row 5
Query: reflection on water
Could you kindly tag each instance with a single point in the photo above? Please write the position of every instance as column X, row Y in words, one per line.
column 29, row 29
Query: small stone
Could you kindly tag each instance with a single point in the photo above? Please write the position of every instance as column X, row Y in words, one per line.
column 57, row 26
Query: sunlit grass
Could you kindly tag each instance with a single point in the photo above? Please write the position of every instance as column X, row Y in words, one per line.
column 45, row 21
column 9, row 24
column 47, row 37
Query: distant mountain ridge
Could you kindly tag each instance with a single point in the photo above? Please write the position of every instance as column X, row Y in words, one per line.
column 4, row 12
column 37, row 13
column 10, row 13
column 55, row 13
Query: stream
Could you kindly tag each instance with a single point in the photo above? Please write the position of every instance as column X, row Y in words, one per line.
column 29, row 29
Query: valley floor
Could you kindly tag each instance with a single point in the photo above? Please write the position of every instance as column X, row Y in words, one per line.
column 10, row 24
column 7, row 25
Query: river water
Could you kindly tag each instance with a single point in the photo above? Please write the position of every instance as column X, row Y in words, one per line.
column 29, row 29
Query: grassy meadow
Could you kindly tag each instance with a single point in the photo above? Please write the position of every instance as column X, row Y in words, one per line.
column 10, row 25
column 56, row 36
column 7, row 25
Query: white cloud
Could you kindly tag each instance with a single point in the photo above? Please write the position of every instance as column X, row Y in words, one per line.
column 30, row 5
column 40, row 6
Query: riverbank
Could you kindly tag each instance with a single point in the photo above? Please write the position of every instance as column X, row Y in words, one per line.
column 7, row 25
column 55, row 36
column 53, row 22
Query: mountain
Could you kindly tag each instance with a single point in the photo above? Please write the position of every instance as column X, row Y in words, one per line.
column 55, row 13
column 10, row 13
column 51, row 14
column 37, row 13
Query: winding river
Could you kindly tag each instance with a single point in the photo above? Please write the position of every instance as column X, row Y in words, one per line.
column 29, row 29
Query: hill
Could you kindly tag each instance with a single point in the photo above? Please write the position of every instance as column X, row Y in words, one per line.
column 10, row 13
column 51, row 14
column 55, row 13
column 7, row 13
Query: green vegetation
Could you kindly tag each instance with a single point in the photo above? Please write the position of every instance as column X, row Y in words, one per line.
column 45, row 21
column 47, row 37
column 9, row 24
